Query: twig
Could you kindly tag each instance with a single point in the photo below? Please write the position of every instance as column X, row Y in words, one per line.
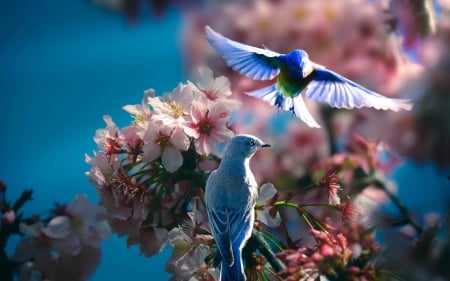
column 407, row 217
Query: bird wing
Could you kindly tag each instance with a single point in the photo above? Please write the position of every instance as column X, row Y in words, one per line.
column 219, row 222
column 256, row 63
column 218, row 218
column 230, row 228
column 329, row 87
column 240, row 222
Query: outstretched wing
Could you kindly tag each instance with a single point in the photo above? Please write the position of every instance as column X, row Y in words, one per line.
column 329, row 87
column 256, row 63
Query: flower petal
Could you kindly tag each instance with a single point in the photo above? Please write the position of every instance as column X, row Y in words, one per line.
column 151, row 151
column 25, row 250
column 171, row 159
column 58, row 227
column 80, row 205
column 132, row 109
column 34, row 230
column 266, row 191
column 205, row 78
column 179, row 139
column 265, row 217
column 222, row 85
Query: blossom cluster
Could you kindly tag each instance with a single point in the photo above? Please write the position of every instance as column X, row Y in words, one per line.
column 148, row 173
column 151, row 175
column 64, row 246
column 334, row 255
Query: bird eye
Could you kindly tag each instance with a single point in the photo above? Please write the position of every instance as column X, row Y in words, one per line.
column 252, row 142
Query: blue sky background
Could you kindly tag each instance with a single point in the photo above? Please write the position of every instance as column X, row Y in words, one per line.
column 63, row 65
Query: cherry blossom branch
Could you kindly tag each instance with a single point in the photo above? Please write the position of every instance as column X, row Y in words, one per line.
column 407, row 218
column 310, row 219
column 9, row 229
column 24, row 197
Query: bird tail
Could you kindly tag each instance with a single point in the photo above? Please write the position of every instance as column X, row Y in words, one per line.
column 232, row 273
column 302, row 112
column 235, row 271
column 270, row 94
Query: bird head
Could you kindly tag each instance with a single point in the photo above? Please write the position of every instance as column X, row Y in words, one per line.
column 244, row 145
column 298, row 63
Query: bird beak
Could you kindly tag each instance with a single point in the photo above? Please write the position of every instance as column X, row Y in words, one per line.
column 307, row 68
column 305, row 73
column 265, row 145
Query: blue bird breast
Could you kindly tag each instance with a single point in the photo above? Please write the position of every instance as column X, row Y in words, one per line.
column 291, row 84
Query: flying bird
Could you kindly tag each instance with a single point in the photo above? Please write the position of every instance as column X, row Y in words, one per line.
column 230, row 197
column 297, row 76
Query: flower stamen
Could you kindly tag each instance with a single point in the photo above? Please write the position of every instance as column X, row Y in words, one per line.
column 176, row 110
column 162, row 140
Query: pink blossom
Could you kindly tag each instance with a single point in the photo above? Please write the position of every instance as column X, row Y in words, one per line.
column 88, row 220
column 107, row 139
column 327, row 250
column 35, row 247
column 111, row 184
column 198, row 218
column 331, row 183
column 180, row 240
column 190, row 248
column 141, row 112
column 125, row 227
column 129, row 138
column 8, row 217
column 166, row 142
column 209, row 126
column 214, row 89
column 79, row 267
column 82, row 224
column 127, row 199
column 58, row 227
column 173, row 108
column 191, row 266
column 151, row 240
column 102, row 169
column 349, row 213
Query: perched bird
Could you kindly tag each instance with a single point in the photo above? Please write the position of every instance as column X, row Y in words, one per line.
column 230, row 197
column 297, row 76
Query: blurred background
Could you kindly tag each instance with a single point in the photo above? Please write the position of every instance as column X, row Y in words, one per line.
column 65, row 64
